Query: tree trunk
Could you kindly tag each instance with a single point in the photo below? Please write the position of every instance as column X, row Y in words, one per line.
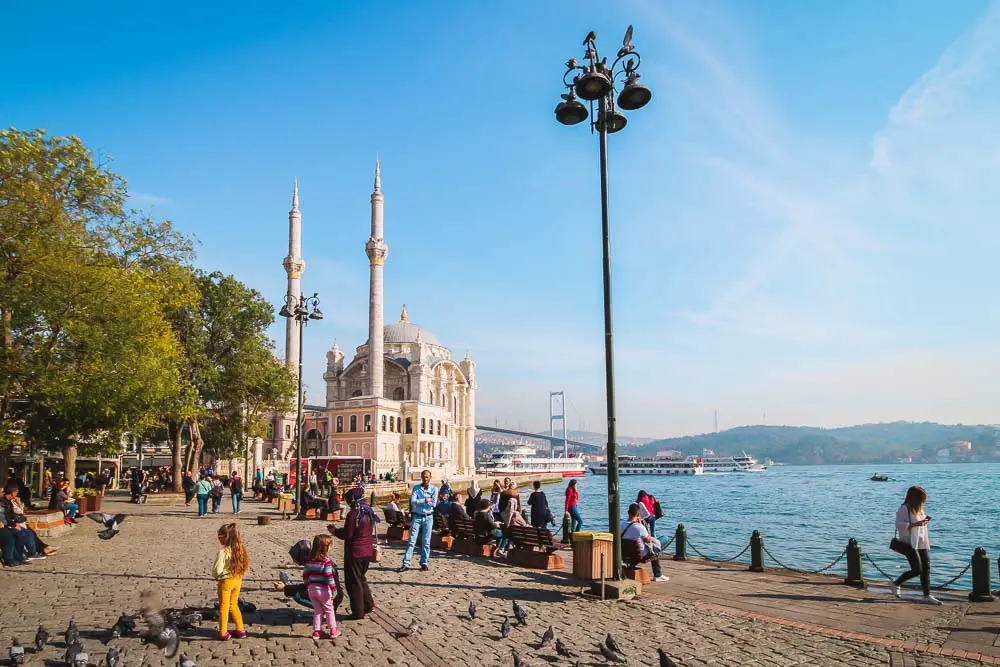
column 194, row 449
column 69, row 463
column 175, row 431
column 4, row 462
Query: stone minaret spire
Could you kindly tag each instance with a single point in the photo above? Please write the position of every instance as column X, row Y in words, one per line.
column 294, row 267
column 377, row 251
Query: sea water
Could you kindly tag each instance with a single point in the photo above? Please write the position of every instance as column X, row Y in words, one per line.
column 806, row 514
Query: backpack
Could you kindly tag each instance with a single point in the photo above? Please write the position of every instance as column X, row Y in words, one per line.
column 658, row 512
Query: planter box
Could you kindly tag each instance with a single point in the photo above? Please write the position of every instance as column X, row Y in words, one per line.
column 90, row 503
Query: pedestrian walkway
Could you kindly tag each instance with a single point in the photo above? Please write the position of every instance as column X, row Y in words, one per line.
column 703, row 616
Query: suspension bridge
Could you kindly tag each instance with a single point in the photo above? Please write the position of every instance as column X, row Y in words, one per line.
column 557, row 413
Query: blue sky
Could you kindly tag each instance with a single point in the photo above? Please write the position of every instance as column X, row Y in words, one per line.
column 804, row 220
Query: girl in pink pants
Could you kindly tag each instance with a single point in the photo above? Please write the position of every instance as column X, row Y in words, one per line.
column 318, row 576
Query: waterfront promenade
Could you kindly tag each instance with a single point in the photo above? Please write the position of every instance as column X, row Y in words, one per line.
column 706, row 615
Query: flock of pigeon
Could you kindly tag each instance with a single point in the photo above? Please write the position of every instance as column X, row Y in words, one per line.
column 609, row 648
column 165, row 638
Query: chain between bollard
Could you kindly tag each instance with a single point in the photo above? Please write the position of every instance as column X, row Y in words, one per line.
column 797, row 569
column 717, row 560
column 939, row 587
column 663, row 547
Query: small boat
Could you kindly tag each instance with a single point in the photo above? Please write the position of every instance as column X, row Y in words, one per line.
column 879, row 478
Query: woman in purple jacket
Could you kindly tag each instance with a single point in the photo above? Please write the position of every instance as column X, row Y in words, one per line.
column 358, row 535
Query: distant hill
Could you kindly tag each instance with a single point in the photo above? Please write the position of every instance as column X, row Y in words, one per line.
column 866, row 443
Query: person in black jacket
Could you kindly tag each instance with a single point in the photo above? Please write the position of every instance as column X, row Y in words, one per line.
column 539, row 504
column 188, row 485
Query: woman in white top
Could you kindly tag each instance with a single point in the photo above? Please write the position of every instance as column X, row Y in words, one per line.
column 913, row 542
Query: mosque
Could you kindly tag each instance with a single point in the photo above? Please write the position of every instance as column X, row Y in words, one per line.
column 402, row 401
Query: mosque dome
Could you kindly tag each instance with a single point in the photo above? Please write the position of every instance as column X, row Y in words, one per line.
column 405, row 331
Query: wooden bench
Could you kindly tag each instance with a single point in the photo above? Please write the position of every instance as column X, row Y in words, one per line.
column 398, row 526
column 468, row 543
column 534, row 548
column 632, row 562
column 441, row 537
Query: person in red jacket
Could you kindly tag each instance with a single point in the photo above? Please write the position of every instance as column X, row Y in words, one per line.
column 573, row 507
column 358, row 534
column 647, row 513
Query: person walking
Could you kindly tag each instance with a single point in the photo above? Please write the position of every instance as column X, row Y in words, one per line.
column 321, row 586
column 573, row 506
column 236, row 491
column 313, row 482
column 202, row 489
column 539, row 504
column 423, row 500
column 913, row 542
column 635, row 530
column 188, row 485
column 216, row 494
column 231, row 564
column 358, row 533
column 647, row 511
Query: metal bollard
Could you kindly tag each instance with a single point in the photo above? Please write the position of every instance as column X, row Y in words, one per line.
column 680, row 543
column 981, row 591
column 756, row 552
column 855, row 577
column 566, row 529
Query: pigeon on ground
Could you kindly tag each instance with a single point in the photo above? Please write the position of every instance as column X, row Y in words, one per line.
column 71, row 634
column 16, row 652
column 613, row 656
column 111, row 522
column 519, row 614
column 183, row 619
column 285, row 579
column 548, row 636
column 411, row 629
column 472, row 609
column 517, row 659
column 562, row 650
column 505, row 627
column 41, row 638
column 186, row 662
column 665, row 660
column 610, row 642
column 125, row 625
column 113, row 658
column 76, row 656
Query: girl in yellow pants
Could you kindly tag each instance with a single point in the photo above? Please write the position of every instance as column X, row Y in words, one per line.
column 231, row 564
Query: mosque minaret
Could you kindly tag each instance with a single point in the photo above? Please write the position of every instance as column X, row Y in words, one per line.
column 295, row 266
column 377, row 251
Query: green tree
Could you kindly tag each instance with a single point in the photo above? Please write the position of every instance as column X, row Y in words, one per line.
column 232, row 375
column 87, row 354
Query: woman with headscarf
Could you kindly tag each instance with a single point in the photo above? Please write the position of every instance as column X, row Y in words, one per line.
column 472, row 502
column 358, row 534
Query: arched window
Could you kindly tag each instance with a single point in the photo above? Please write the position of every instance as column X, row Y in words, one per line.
column 423, row 425
column 409, row 424
column 432, row 398
column 352, row 449
column 385, row 420
column 357, row 392
column 340, row 424
column 354, row 424
column 439, row 427
column 270, row 431
column 446, row 430
column 368, row 423
column 398, row 394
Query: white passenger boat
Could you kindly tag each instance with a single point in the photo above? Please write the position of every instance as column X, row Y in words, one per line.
column 525, row 461
column 653, row 465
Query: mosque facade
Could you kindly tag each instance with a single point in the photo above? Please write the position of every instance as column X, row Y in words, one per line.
column 401, row 401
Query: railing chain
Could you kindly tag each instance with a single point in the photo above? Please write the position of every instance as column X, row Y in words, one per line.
column 717, row 560
column 798, row 569
column 939, row 587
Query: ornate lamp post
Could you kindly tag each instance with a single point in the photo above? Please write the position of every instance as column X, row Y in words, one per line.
column 597, row 83
column 298, row 308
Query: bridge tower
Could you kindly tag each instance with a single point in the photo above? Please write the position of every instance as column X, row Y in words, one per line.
column 557, row 412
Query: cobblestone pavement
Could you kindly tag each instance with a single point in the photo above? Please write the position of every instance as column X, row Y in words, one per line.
column 168, row 549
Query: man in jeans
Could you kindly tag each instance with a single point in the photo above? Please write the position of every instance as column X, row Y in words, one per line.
column 636, row 531
column 423, row 500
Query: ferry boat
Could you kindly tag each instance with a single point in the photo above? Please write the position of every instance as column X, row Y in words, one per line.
column 654, row 465
column 525, row 461
column 742, row 463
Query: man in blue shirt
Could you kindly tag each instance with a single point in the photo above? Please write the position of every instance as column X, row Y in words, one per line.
column 423, row 500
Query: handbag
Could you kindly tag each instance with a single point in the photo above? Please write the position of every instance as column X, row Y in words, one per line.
column 376, row 547
column 658, row 510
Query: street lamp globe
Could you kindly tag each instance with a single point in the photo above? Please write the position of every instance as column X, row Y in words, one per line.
column 593, row 85
column 634, row 95
column 570, row 111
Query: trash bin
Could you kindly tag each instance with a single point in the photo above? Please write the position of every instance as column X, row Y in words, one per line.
column 587, row 551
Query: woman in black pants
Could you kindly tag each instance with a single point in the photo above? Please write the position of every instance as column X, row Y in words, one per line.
column 358, row 534
column 913, row 542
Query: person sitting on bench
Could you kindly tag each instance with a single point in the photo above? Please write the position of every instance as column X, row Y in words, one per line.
column 637, row 531
column 312, row 502
column 393, row 515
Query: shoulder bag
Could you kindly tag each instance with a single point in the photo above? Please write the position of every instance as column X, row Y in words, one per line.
column 376, row 547
column 658, row 512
